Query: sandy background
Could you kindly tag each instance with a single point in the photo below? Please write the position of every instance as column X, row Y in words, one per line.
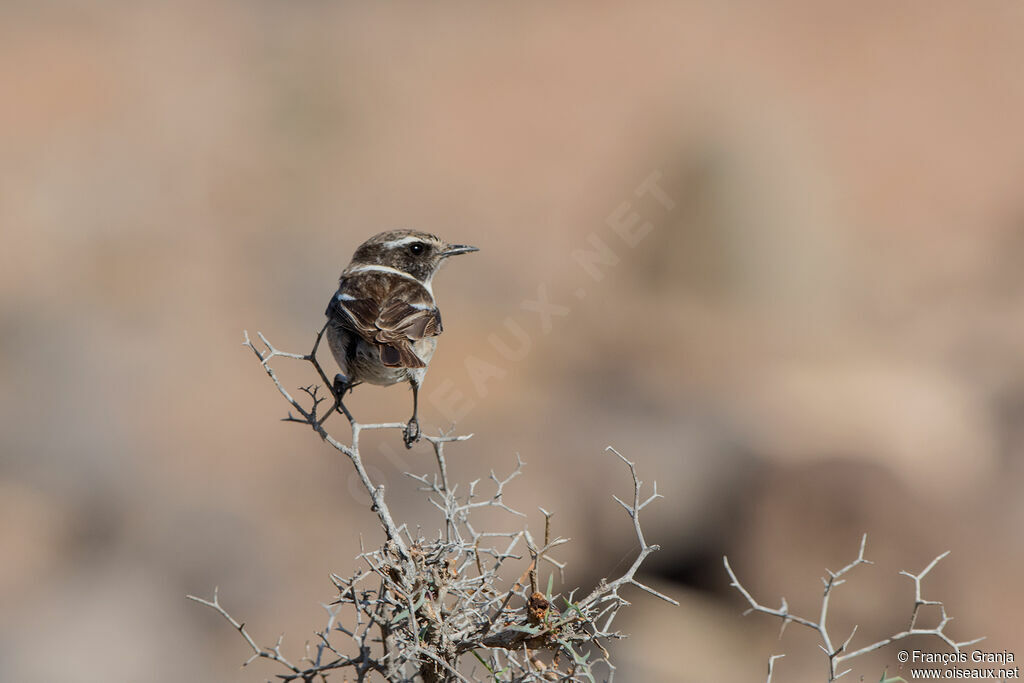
column 823, row 336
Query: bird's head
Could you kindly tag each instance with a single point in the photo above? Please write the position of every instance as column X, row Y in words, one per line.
column 419, row 254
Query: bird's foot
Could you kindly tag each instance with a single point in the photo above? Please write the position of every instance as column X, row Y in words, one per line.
column 341, row 385
column 412, row 432
column 339, row 389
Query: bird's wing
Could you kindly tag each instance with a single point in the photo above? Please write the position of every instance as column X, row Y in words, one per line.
column 401, row 323
column 392, row 327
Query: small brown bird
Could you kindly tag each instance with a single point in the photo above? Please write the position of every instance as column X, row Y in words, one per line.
column 383, row 322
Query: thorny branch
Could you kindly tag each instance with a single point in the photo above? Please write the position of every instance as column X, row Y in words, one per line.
column 838, row 654
column 441, row 608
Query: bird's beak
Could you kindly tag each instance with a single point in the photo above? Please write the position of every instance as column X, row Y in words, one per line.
column 454, row 249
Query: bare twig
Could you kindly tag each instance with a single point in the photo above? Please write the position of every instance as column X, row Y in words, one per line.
column 771, row 666
column 841, row 653
column 610, row 591
column 419, row 605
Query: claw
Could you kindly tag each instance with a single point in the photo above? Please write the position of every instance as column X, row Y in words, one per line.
column 412, row 432
column 341, row 385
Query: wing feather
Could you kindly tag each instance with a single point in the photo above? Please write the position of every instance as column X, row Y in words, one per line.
column 391, row 327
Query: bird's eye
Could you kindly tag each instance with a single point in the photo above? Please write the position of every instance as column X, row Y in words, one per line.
column 417, row 248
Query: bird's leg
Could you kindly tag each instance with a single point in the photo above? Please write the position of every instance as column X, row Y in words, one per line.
column 341, row 385
column 412, row 430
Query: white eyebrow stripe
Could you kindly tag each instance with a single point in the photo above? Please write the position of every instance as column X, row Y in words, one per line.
column 342, row 296
column 401, row 242
column 394, row 271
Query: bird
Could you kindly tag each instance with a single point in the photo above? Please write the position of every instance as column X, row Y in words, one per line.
column 383, row 322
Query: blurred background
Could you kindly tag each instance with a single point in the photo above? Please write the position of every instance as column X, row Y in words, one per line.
column 812, row 329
